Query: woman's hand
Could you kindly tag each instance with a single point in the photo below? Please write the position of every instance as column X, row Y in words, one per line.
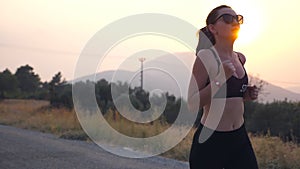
column 251, row 93
column 229, row 68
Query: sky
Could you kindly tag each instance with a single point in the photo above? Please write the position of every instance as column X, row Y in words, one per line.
column 49, row 35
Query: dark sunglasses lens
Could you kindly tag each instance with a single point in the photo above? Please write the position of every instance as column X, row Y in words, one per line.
column 228, row 19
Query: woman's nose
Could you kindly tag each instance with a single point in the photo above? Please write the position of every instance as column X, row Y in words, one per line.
column 235, row 23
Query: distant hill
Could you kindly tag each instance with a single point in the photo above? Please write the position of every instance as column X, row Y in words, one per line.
column 295, row 89
column 170, row 73
column 272, row 92
column 269, row 94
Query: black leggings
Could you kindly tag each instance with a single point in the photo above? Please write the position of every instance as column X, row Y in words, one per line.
column 228, row 150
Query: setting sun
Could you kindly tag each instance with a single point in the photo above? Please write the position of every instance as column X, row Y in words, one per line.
column 252, row 26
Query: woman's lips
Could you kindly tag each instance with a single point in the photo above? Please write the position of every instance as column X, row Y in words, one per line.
column 236, row 29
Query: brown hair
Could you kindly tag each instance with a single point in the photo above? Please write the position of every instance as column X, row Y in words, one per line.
column 204, row 34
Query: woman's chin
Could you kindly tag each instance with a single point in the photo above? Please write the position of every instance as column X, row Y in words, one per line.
column 234, row 37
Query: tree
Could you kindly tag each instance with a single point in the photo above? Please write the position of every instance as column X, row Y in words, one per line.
column 60, row 92
column 8, row 83
column 140, row 99
column 172, row 108
column 29, row 82
column 103, row 95
column 57, row 80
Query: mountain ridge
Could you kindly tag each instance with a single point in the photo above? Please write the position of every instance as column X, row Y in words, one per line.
column 172, row 72
column 269, row 93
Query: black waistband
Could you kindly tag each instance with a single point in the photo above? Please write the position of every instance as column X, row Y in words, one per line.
column 241, row 128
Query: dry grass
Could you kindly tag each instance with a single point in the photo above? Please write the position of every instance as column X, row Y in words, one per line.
column 36, row 115
column 271, row 152
column 132, row 129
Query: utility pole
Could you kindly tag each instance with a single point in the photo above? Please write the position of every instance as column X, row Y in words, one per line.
column 142, row 61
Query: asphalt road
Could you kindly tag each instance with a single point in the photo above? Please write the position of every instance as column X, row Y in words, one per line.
column 24, row 149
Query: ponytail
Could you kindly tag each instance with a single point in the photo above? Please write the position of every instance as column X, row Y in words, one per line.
column 206, row 39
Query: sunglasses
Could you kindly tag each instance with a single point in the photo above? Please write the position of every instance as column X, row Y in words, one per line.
column 229, row 19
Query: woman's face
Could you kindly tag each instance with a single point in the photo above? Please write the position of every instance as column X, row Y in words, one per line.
column 221, row 29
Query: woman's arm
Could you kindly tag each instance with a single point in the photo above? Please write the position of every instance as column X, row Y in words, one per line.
column 197, row 90
column 252, row 91
column 199, row 93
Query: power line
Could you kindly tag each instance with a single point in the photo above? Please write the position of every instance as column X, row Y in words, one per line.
column 44, row 50
column 36, row 49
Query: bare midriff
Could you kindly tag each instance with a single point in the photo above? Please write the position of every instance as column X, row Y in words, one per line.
column 231, row 118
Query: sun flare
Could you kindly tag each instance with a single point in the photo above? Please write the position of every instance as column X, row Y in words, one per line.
column 252, row 27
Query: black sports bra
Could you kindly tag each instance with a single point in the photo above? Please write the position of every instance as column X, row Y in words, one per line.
column 235, row 87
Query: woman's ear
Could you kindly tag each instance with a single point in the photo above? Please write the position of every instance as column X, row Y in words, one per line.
column 212, row 29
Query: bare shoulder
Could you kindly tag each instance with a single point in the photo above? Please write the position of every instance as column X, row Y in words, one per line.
column 242, row 57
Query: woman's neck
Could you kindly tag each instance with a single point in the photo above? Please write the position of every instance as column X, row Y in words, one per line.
column 224, row 48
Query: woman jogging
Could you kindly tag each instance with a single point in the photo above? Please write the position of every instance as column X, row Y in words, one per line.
column 228, row 146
